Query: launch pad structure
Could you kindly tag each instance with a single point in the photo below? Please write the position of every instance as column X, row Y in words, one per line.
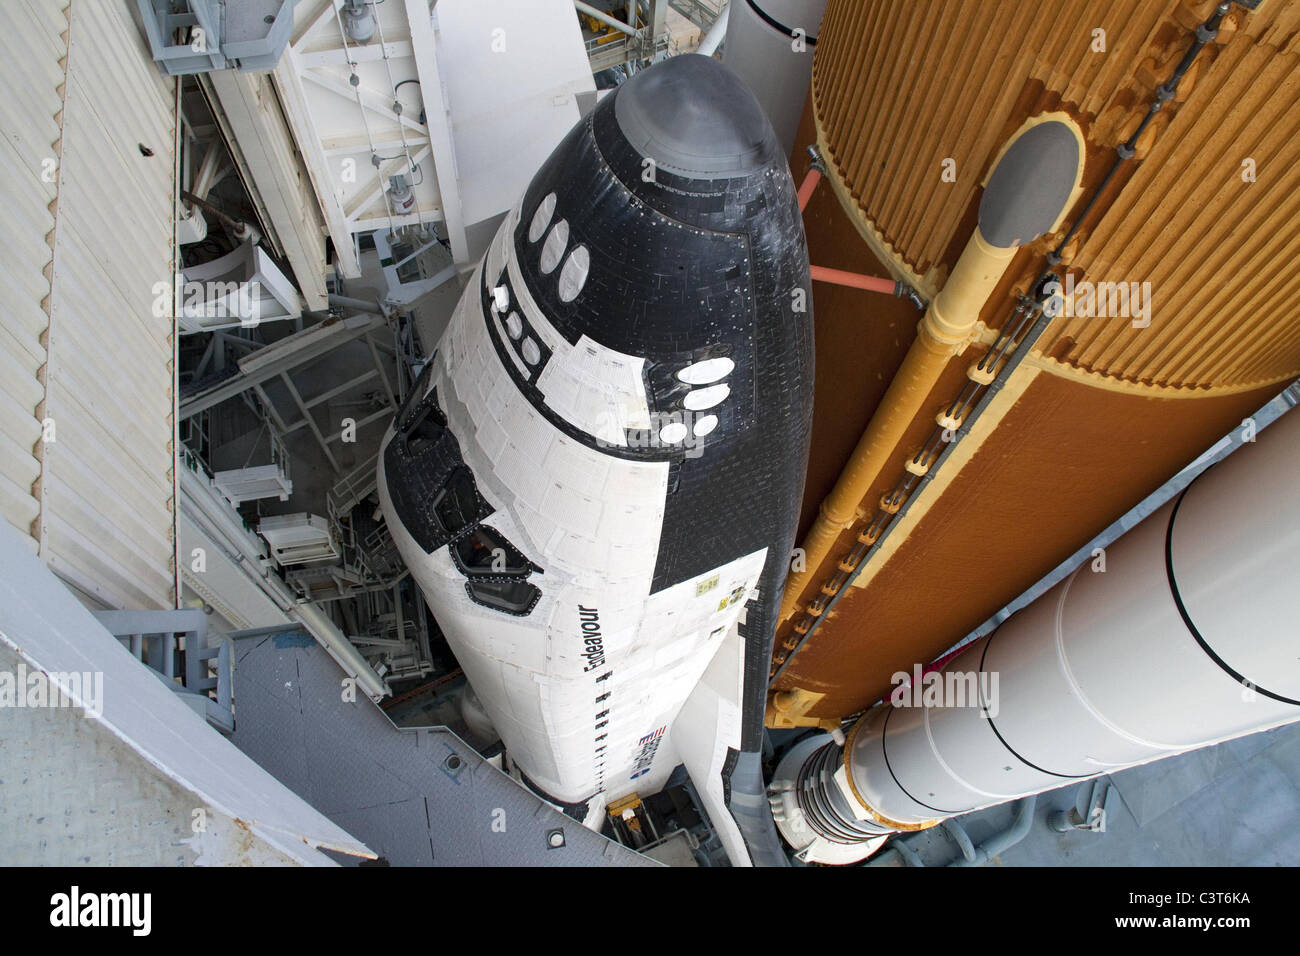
column 649, row 433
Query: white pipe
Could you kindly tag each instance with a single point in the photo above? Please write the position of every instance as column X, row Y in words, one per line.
column 1187, row 638
column 207, row 176
column 1000, row 843
column 713, row 39
column 994, row 846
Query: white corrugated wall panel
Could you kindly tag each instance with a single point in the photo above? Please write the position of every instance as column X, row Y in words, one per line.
column 106, row 491
column 32, row 47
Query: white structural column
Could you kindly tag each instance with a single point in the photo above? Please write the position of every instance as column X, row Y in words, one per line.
column 1187, row 638
column 265, row 154
column 438, row 123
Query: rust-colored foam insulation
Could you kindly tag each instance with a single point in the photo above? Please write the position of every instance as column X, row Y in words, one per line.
column 861, row 337
column 1026, row 501
column 1112, row 411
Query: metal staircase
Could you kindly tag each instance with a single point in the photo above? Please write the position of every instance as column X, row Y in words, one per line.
column 174, row 645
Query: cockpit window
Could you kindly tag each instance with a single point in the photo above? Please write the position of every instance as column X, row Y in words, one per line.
column 497, row 571
column 424, row 450
column 425, row 423
column 513, row 597
column 486, row 551
column 457, row 506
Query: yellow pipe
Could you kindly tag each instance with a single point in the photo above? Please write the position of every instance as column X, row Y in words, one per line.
column 943, row 332
column 948, row 326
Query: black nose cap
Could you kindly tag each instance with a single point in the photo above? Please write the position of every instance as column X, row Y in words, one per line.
column 695, row 118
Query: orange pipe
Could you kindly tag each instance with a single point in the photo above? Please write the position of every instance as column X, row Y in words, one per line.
column 854, row 279
column 808, row 185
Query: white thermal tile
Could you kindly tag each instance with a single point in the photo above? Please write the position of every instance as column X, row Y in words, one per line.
column 706, row 372
column 556, row 242
column 541, row 218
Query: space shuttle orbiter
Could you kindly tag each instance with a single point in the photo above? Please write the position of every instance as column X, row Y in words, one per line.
column 596, row 479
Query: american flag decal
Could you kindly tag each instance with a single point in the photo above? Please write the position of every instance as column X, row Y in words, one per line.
column 649, row 737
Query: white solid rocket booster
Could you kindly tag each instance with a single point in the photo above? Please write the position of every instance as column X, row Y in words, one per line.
column 1190, row 636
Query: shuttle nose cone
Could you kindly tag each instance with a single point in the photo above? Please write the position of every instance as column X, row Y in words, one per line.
column 695, row 118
